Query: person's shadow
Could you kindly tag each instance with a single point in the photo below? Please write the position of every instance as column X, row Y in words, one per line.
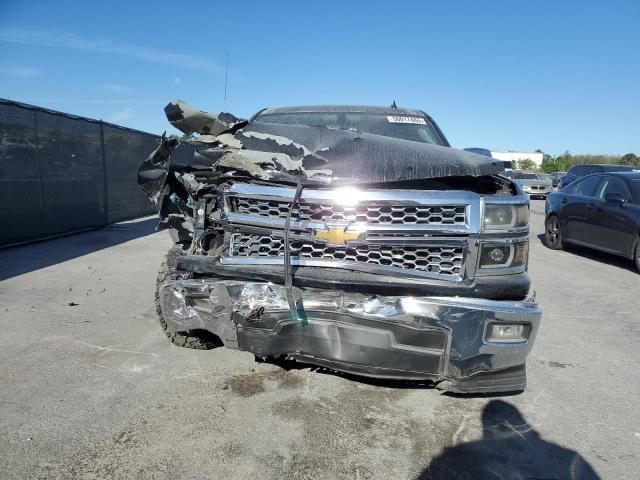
column 509, row 449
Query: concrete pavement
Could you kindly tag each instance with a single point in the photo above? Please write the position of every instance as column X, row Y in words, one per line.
column 90, row 388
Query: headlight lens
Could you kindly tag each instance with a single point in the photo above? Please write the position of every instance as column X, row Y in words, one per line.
column 503, row 255
column 502, row 216
column 508, row 332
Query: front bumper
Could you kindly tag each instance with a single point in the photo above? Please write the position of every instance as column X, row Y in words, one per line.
column 441, row 339
column 538, row 192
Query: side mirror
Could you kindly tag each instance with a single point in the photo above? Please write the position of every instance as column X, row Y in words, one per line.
column 616, row 198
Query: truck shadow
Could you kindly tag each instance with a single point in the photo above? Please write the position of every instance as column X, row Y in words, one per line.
column 22, row 259
column 595, row 255
column 509, row 448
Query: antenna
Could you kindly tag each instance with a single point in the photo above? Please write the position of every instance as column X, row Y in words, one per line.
column 226, row 79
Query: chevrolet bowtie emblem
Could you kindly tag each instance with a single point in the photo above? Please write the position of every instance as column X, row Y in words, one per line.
column 337, row 235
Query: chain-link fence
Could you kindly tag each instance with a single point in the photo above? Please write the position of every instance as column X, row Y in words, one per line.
column 60, row 173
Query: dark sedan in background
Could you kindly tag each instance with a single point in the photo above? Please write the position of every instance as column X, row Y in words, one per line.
column 582, row 170
column 600, row 211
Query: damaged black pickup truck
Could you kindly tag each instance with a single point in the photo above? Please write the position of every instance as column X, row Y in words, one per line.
column 351, row 238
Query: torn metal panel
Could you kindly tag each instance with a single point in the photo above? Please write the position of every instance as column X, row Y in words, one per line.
column 153, row 172
column 191, row 121
column 267, row 165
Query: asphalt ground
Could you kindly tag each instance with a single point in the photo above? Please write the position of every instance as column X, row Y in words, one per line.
column 90, row 388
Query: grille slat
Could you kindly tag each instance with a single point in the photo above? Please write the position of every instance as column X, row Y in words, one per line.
column 434, row 259
column 371, row 213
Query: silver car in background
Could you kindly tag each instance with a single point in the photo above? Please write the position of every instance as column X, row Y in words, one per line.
column 533, row 184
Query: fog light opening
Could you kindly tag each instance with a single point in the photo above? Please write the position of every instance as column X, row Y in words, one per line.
column 495, row 256
column 508, row 332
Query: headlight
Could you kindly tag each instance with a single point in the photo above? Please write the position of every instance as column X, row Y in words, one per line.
column 507, row 332
column 501, row 217
column 504, row 255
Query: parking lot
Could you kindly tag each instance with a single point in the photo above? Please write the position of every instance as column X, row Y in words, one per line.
column 91, row 388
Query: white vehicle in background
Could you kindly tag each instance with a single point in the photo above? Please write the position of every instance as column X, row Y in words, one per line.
column 533, row 184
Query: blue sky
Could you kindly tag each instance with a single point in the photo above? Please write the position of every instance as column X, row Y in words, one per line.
column 506, row 75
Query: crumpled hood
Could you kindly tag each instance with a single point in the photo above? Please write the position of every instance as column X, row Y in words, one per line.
column 232, row 148
column 352, row 157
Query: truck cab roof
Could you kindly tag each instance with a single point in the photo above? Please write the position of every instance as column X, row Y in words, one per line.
column 345, row 109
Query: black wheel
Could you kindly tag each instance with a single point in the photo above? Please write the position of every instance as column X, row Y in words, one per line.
column 552, row 233
column 197, row 339
column 636, row 256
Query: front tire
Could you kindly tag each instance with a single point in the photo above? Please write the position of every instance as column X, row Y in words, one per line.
column 636, row 256
column 196, row 339
column 553, row 233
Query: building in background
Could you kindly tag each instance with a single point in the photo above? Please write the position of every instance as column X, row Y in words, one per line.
column 514, row 157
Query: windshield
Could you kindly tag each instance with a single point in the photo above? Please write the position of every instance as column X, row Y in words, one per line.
column 618, row 168
column 406, row 127
column 525, row 176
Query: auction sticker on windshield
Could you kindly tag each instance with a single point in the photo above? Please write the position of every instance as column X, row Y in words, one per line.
column 415, row 120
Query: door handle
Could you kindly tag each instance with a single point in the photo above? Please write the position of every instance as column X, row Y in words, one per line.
column 591, row 206
column 564, row 200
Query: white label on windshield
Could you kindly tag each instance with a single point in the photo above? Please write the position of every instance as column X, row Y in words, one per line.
column 415, row 120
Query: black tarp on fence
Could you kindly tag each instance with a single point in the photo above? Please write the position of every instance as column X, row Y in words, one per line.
column 60, row 173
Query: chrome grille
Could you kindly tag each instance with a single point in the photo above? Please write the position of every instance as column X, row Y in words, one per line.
column 365, row 212
column 443, row 260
